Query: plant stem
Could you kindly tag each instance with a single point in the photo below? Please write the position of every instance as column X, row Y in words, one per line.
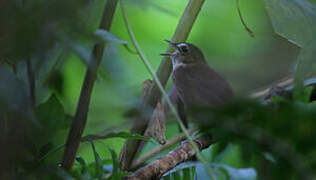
column 79, row 121
column 153, row 96
column 164, row 93
column 31, row 79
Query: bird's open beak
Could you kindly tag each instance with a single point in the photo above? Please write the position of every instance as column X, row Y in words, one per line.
column 165, row 54
column 173, row 44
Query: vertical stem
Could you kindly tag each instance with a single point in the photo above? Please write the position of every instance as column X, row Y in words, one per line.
column 31, row 80
column 140, row 124
column 79, row 121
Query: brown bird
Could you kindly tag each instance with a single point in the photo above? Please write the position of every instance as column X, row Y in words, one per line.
column 196, row 84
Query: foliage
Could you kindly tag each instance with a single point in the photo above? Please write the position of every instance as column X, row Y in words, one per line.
column 256, row 140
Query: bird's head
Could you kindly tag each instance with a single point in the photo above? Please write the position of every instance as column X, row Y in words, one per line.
column 185, row 53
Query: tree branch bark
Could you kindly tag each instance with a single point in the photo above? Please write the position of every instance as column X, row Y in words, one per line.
column 160, row 166
column 129, row 151
column 79, row 121
column 158, row 150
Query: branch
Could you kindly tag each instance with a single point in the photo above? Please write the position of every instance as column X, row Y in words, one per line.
column 128, row 153
column 158, row 150
column 282, row 83
column 79, row 121
column 160, row 166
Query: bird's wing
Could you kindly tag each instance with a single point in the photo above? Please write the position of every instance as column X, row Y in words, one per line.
column 199, row 85
column 174, row 97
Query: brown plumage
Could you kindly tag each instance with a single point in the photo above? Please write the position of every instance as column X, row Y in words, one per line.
column 196, row 84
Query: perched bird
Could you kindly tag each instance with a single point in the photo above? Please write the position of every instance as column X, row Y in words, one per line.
column 196, row 84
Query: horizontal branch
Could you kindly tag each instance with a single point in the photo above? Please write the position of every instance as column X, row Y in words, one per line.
column 160, row 166
column 158, row 150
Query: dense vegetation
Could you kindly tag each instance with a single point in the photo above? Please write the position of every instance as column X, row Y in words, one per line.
column 53, row 53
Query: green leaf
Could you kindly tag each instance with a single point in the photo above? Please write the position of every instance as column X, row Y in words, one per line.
column 62, row 174
column 116, row 173
column 82, row 162
column 51, row 117
column 293, row 19
column 93, row 137
column 124, row 135
column 167, row 177
column 81, row 51
column 187, row 173
column 201, row 173
column 312, row 1
column 85, row 175
column 177, row 175
column 180, row 167
column 238, row 174
column 226, row 172
column 14, row 95
column 303, row 94
column 306, row 59
column 116, row 170
column 108, row 37
column 98, row 162
column 55, row 149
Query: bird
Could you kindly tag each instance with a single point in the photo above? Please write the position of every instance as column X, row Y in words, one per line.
column 195, row 83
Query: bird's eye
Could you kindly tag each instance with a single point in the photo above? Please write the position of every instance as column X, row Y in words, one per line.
column 184, row 49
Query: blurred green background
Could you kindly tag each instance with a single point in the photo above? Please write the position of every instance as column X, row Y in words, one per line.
column 247, row 63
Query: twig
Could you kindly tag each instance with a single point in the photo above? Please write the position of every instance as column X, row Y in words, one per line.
column 242, row 20
column 140, row 124
column 80, row 118
column 158, row 150
column 160, row 166
column 261, row 93
column 31, row 80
